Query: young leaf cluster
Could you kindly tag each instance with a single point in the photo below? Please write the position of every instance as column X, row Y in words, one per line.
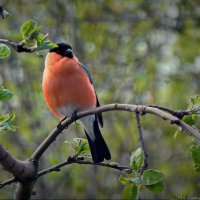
column 193, row 116
column 135, row 181
column 194, row 105
column 81, row 147
column 7, row 119
column 32, row 37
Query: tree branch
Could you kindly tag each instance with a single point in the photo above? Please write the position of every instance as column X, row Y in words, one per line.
column 24, row 190
column 70, row 160
column 80, row 160
column 123, row 107
column 8, row 182
column 21, row 169
column 24, row 171
column 177, row 113
column 19, row 47
column 27, row 186
column 141, row 139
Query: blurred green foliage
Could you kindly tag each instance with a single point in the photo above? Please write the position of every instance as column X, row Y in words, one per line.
column 196, row 156
column 139, row 52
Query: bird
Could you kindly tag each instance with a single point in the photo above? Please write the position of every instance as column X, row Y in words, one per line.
column 68, row 88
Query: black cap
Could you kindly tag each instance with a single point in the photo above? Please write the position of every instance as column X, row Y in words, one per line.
column 63, row 50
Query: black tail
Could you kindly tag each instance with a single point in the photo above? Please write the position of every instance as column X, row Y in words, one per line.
column 98, row 147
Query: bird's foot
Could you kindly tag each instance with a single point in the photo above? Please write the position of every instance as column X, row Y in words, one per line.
column 59, row 126
column 74, row 117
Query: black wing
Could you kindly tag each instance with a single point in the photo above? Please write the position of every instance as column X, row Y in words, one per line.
column 88, row 73
column 99, row 115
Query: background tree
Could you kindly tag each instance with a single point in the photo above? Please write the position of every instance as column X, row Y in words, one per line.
column 139, row 52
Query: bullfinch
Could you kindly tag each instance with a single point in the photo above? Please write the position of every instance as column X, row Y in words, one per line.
column 68, row 89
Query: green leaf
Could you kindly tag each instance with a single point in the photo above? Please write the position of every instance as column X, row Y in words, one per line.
column 130, row 193
column 40, row 39
column 136, row 180
column 196, row 157
column 156, row 188
column 130, row 180
column 31, row 33
column 35, row 33
column 4, row 51
column 190, row 119
column 151, row 176
column 47, row 44
column 6, row 122
column 124, row 180
column 194, row 102
column 137, row 160
column 178, row 132
column 80, row 145
column 5, row 94
column 28, row 27
column 7, row 118
column 195, row 105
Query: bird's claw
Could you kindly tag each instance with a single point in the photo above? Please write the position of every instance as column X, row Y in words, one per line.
column 74, row 117
column 59, row 126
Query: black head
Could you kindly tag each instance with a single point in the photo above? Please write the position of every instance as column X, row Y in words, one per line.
column 63, row 50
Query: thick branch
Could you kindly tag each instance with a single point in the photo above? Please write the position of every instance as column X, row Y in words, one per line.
column 125, row 107
column 24, row 190
column 19, row 47
column 22, row 169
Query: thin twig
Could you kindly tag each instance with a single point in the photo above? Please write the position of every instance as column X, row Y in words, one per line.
column 70, row 160
column 8, row 182
column 141, row 139
column 19, row 47
column 81, row 160
column 17, row 168
column 177, row 113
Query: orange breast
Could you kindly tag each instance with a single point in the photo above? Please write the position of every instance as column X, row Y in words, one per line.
column 65, row 84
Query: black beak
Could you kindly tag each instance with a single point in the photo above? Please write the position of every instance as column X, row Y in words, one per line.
column 69, row 53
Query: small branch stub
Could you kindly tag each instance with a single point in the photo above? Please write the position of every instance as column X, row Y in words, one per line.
column 141, row 139
column 19, row 47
